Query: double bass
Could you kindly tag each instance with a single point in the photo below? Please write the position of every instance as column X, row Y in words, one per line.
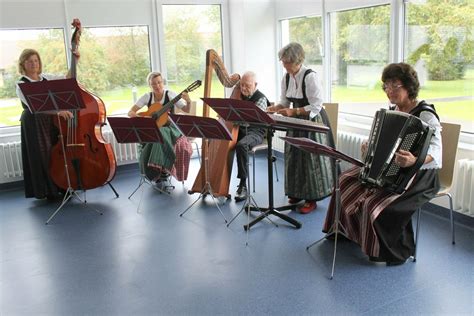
column 87, row 161
column 220, row 153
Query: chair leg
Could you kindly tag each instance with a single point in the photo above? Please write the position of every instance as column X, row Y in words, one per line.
column 451, row 216
column 275, row 167
column 197, row 150
column 253, row 168
column 418, row 218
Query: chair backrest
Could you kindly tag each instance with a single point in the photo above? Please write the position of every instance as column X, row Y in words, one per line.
column 450, row 137
column 332, row 110
column 192, row 110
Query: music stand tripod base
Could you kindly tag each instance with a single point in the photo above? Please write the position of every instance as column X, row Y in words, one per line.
column 70, row 193
column 316, row 148
column 205, row 128
column 206, row 190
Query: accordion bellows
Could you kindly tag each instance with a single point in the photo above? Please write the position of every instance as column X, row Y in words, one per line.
column 390, row 132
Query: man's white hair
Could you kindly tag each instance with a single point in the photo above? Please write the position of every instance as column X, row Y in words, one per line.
column 250, row 74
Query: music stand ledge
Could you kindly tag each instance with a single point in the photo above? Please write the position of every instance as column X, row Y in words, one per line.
column 311, row 146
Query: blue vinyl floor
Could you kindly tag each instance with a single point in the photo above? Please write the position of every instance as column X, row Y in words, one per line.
column 154, row 262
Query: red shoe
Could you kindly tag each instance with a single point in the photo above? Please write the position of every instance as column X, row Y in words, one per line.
column 293, row 200
column 308, row 207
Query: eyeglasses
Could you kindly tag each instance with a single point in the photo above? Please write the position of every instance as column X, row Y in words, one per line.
column 391, row 87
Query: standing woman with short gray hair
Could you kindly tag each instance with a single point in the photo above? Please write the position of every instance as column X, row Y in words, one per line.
column 308, row 177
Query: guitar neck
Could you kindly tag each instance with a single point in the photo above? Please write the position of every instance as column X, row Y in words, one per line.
column 167, row 106
column 173, row 101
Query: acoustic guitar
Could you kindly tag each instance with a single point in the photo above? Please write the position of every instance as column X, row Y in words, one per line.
column 160, row 112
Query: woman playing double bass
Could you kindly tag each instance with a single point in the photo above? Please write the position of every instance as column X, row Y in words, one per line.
column 38, row 134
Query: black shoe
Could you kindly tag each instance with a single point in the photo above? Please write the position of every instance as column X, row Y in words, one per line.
column 340, row 237
column 395, row 263
column 241, row 193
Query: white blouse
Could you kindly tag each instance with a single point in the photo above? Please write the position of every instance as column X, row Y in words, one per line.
column 435, row 148
column 143, row 100
column 313, row 91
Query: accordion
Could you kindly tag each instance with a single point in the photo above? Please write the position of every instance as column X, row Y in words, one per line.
column 390, row 132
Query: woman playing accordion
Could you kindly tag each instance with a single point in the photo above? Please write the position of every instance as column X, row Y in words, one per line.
column 379, row 220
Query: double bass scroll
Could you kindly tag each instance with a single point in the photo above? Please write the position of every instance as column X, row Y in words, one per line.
column 219, row 153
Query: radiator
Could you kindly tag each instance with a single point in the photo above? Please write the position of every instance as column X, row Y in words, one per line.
column 11, row 155
column 124, row 153
column 349, row 144
column 464, row 187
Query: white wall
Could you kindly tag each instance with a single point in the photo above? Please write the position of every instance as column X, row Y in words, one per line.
column 56, row 13
column 252, row 41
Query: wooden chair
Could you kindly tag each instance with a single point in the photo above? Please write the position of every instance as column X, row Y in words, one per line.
column 332, row 110
column 450, row 137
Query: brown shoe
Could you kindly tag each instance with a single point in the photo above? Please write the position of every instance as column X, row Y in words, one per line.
column 308, row 207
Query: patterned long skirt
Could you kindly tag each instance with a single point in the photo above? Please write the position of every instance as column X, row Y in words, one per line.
column 172, row 156
column 378, row 220
column 308, row 176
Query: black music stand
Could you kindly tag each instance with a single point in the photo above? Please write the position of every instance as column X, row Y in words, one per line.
column 50, row 97
column 137, row 130
column 313, row 147
column 205, row 128
column 247, row 112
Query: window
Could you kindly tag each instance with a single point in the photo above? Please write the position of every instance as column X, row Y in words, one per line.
column 114, row 64
column 308, row 32
column 51, row 47
column 360, row 50
column 440, row 45
column 189, row 31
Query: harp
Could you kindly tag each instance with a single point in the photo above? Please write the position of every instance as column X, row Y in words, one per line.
column 220, row 154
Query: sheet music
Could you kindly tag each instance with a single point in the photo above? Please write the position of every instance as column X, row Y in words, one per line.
column 295, row 123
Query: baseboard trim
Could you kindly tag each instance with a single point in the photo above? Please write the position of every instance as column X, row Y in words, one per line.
column 443, row 212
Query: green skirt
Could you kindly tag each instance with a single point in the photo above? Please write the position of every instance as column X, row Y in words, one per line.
column 308, row 176
column 155, row 158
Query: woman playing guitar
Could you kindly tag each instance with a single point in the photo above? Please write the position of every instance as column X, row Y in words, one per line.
column 158, row 160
